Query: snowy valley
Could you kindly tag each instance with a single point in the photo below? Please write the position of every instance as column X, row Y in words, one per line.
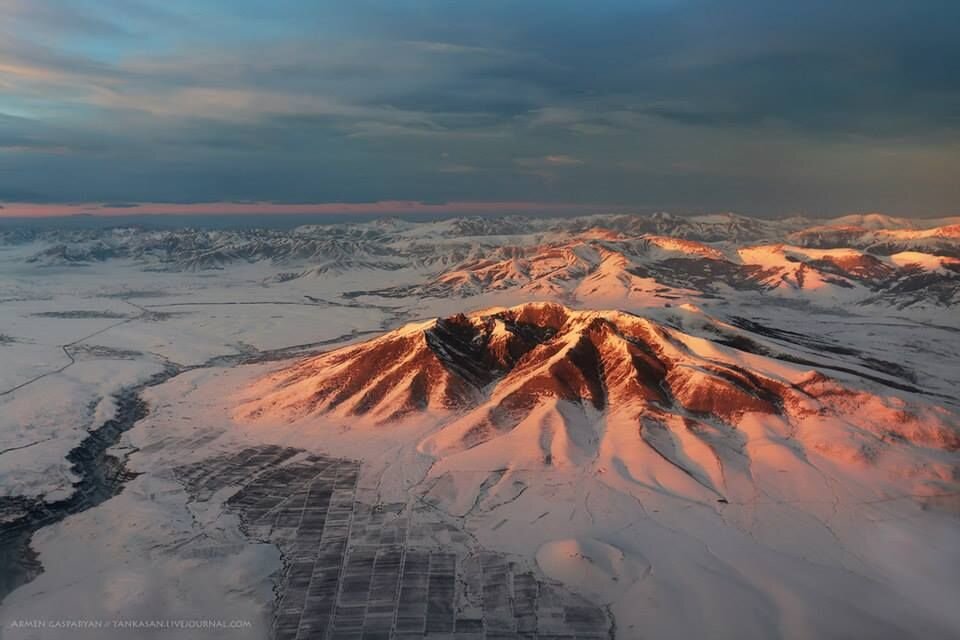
column 618, row 425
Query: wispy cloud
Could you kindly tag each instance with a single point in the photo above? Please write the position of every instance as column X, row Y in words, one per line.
column 547, row 167
column 457, row 168
column 33, row 148
column 562, row 160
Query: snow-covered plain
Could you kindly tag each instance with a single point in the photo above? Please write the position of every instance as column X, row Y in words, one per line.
column 793, row 535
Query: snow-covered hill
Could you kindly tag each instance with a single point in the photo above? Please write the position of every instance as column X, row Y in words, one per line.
column 713, row 432
column 492, row 369
column 600, row 260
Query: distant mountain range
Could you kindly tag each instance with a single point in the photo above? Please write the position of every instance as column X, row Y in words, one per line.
column 602, row 258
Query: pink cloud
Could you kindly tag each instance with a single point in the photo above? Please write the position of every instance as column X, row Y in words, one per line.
column 384, row 207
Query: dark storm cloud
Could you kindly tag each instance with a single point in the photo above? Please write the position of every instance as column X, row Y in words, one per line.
column 853, row 67
column 749, row 105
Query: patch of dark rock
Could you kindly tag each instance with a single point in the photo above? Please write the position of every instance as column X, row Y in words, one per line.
column 108, row 353
column 82, row 314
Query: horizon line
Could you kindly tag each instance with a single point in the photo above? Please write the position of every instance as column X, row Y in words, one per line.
column 34, row 210
column 384, row 207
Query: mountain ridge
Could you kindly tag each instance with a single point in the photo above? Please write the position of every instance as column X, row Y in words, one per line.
column 570, row 387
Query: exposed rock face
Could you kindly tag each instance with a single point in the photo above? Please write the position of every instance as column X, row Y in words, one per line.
column 516, row 357
column 491, row 372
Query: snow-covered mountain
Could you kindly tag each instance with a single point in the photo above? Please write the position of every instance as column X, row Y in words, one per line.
column 598, row 270
column 940, row 240
column 600, row 259
column 555, row 373
column 608, row 426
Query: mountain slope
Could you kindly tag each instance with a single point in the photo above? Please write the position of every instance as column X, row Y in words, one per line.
column 541, row 385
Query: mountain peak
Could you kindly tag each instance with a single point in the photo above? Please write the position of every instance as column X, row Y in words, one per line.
column 542, row 384
column 497, row 365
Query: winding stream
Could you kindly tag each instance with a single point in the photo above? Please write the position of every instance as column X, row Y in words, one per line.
column 102, row 474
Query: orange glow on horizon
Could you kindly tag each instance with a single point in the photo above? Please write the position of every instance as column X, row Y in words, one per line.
column 385, row 207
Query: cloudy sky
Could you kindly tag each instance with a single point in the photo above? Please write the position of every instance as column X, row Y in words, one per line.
column 820, row 106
